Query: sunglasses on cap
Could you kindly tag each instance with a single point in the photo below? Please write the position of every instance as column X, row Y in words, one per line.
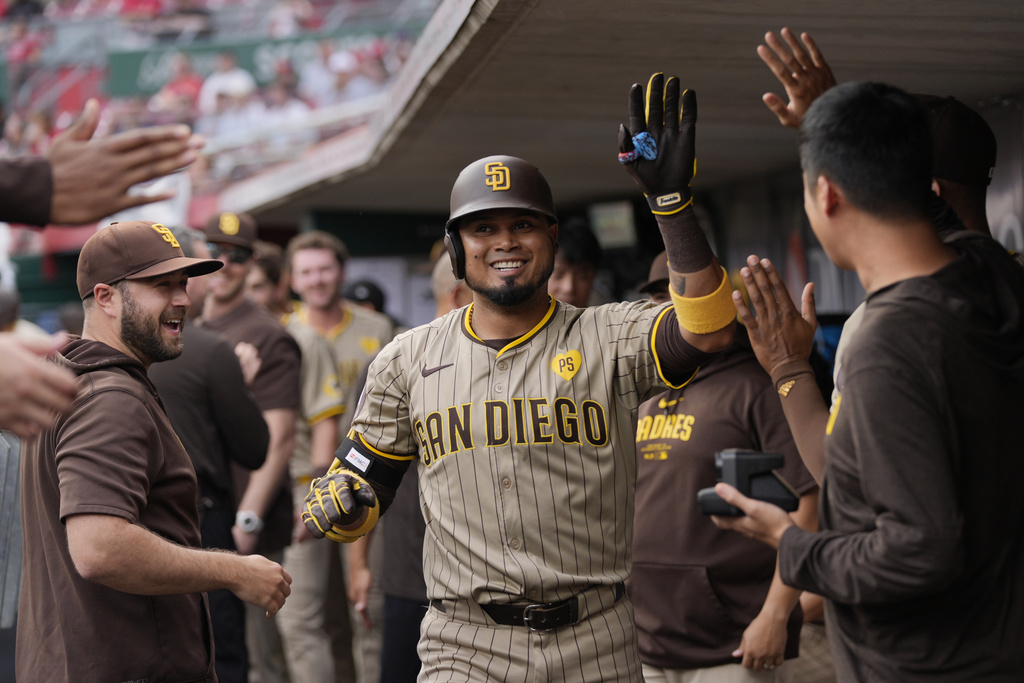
column 233, row 254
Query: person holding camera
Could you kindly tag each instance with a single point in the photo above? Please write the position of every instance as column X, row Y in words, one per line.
column 705, row 598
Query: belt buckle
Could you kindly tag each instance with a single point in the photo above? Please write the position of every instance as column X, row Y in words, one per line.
column 539, row 612
column 540, row 617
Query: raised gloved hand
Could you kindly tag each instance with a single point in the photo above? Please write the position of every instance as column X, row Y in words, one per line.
column 658, row 148
column 340, row 505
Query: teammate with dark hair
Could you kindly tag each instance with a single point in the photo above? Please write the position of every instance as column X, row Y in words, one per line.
column 919, row 556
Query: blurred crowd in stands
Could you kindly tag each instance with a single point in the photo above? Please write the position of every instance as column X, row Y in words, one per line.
column 249, row 122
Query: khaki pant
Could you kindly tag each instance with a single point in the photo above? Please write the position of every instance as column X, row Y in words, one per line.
column 367, row 642
column 318, row 649
column 266, row 656
column 463, row 644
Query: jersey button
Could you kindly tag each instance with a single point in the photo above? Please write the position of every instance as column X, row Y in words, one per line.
column 498, row 388
column 533, row 594
column 506, row 483
column 514, row 544
column 502, row 365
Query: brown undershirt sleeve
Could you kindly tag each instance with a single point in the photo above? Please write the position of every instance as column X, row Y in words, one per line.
column 679, row 359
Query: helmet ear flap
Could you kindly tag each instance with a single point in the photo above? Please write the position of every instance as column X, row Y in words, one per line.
column 453, row 244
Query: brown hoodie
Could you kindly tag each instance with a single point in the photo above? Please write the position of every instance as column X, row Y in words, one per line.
column 116, row 454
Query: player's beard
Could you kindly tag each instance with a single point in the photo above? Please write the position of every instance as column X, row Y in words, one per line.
column 513, row 293
column 145, row 335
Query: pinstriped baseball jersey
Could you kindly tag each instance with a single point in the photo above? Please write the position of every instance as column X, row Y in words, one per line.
column 321, row 396
column 354, row 341
column 529, row 463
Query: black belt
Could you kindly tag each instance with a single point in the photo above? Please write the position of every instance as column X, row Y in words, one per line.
column 537, row 616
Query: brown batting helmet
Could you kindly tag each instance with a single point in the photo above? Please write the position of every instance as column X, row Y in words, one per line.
column 497, row 182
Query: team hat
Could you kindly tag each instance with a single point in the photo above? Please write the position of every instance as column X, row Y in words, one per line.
column 964, row 146
column 363, row 292
column 657, row 279
column 130, row 251
column 232, row 228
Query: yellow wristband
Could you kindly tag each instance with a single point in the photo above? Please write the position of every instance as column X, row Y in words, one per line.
column 705, row 314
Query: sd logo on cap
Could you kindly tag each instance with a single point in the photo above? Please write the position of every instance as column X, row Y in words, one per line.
column 132, row 251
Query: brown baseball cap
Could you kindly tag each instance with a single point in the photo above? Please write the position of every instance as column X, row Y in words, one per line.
column 963, row 144
column 134, row 250
column 232, row 228
column 657, row 279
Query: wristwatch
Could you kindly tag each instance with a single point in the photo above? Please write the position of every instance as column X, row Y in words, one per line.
column 248, row 521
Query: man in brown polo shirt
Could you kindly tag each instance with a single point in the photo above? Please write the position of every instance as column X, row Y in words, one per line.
column 265, row 516
column 114, row 576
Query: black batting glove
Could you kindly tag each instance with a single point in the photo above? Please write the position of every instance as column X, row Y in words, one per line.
column 658, row 148
column 336, row 504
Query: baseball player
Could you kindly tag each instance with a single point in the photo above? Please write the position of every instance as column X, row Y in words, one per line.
column 520, row 409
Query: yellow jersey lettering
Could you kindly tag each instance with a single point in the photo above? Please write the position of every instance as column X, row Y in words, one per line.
column 566, row 423
column 428, row 454
column 497, row 423
column 684, row 433
column 520, row 415
column 643, row 428
column 539, row 421
column 435, row 431
column 460, row 429
column 670, row 421
column 595, row 423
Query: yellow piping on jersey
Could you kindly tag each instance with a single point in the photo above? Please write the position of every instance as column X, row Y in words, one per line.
column 389, row 456
column 468, row 316
column 301, row 314
column 657, row 360
column 330, row 412
column 833, row 415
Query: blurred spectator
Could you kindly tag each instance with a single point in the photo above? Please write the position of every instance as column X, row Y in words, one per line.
column 289, row 18
column 228, row 79
column 357, row 76
column 265, row 283
column 38, row 132
column 10, row 303
column 10, row 316
column 24, row 9
column 576, row 263
column 282, row 119
column 284, row 74
column 180, row 93
column 24, row 48
column 138, row 11
column 317, row 80
column 183, row 21
column 13, row 143
column 71, row 317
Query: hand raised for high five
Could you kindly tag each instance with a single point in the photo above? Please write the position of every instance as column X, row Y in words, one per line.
column 800, row 68
column 778, row 332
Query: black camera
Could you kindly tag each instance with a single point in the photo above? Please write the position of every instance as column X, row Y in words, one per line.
column 751, row 473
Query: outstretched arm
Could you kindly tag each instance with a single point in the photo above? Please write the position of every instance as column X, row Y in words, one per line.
column 127, row 557
column 91, row 177
column 33, row 391
column 658, row 152
column 782, row 338
column 802, row 71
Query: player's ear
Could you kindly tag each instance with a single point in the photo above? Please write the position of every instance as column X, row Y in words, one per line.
column 830, row 195
column 553, row 233
column 107, row 299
